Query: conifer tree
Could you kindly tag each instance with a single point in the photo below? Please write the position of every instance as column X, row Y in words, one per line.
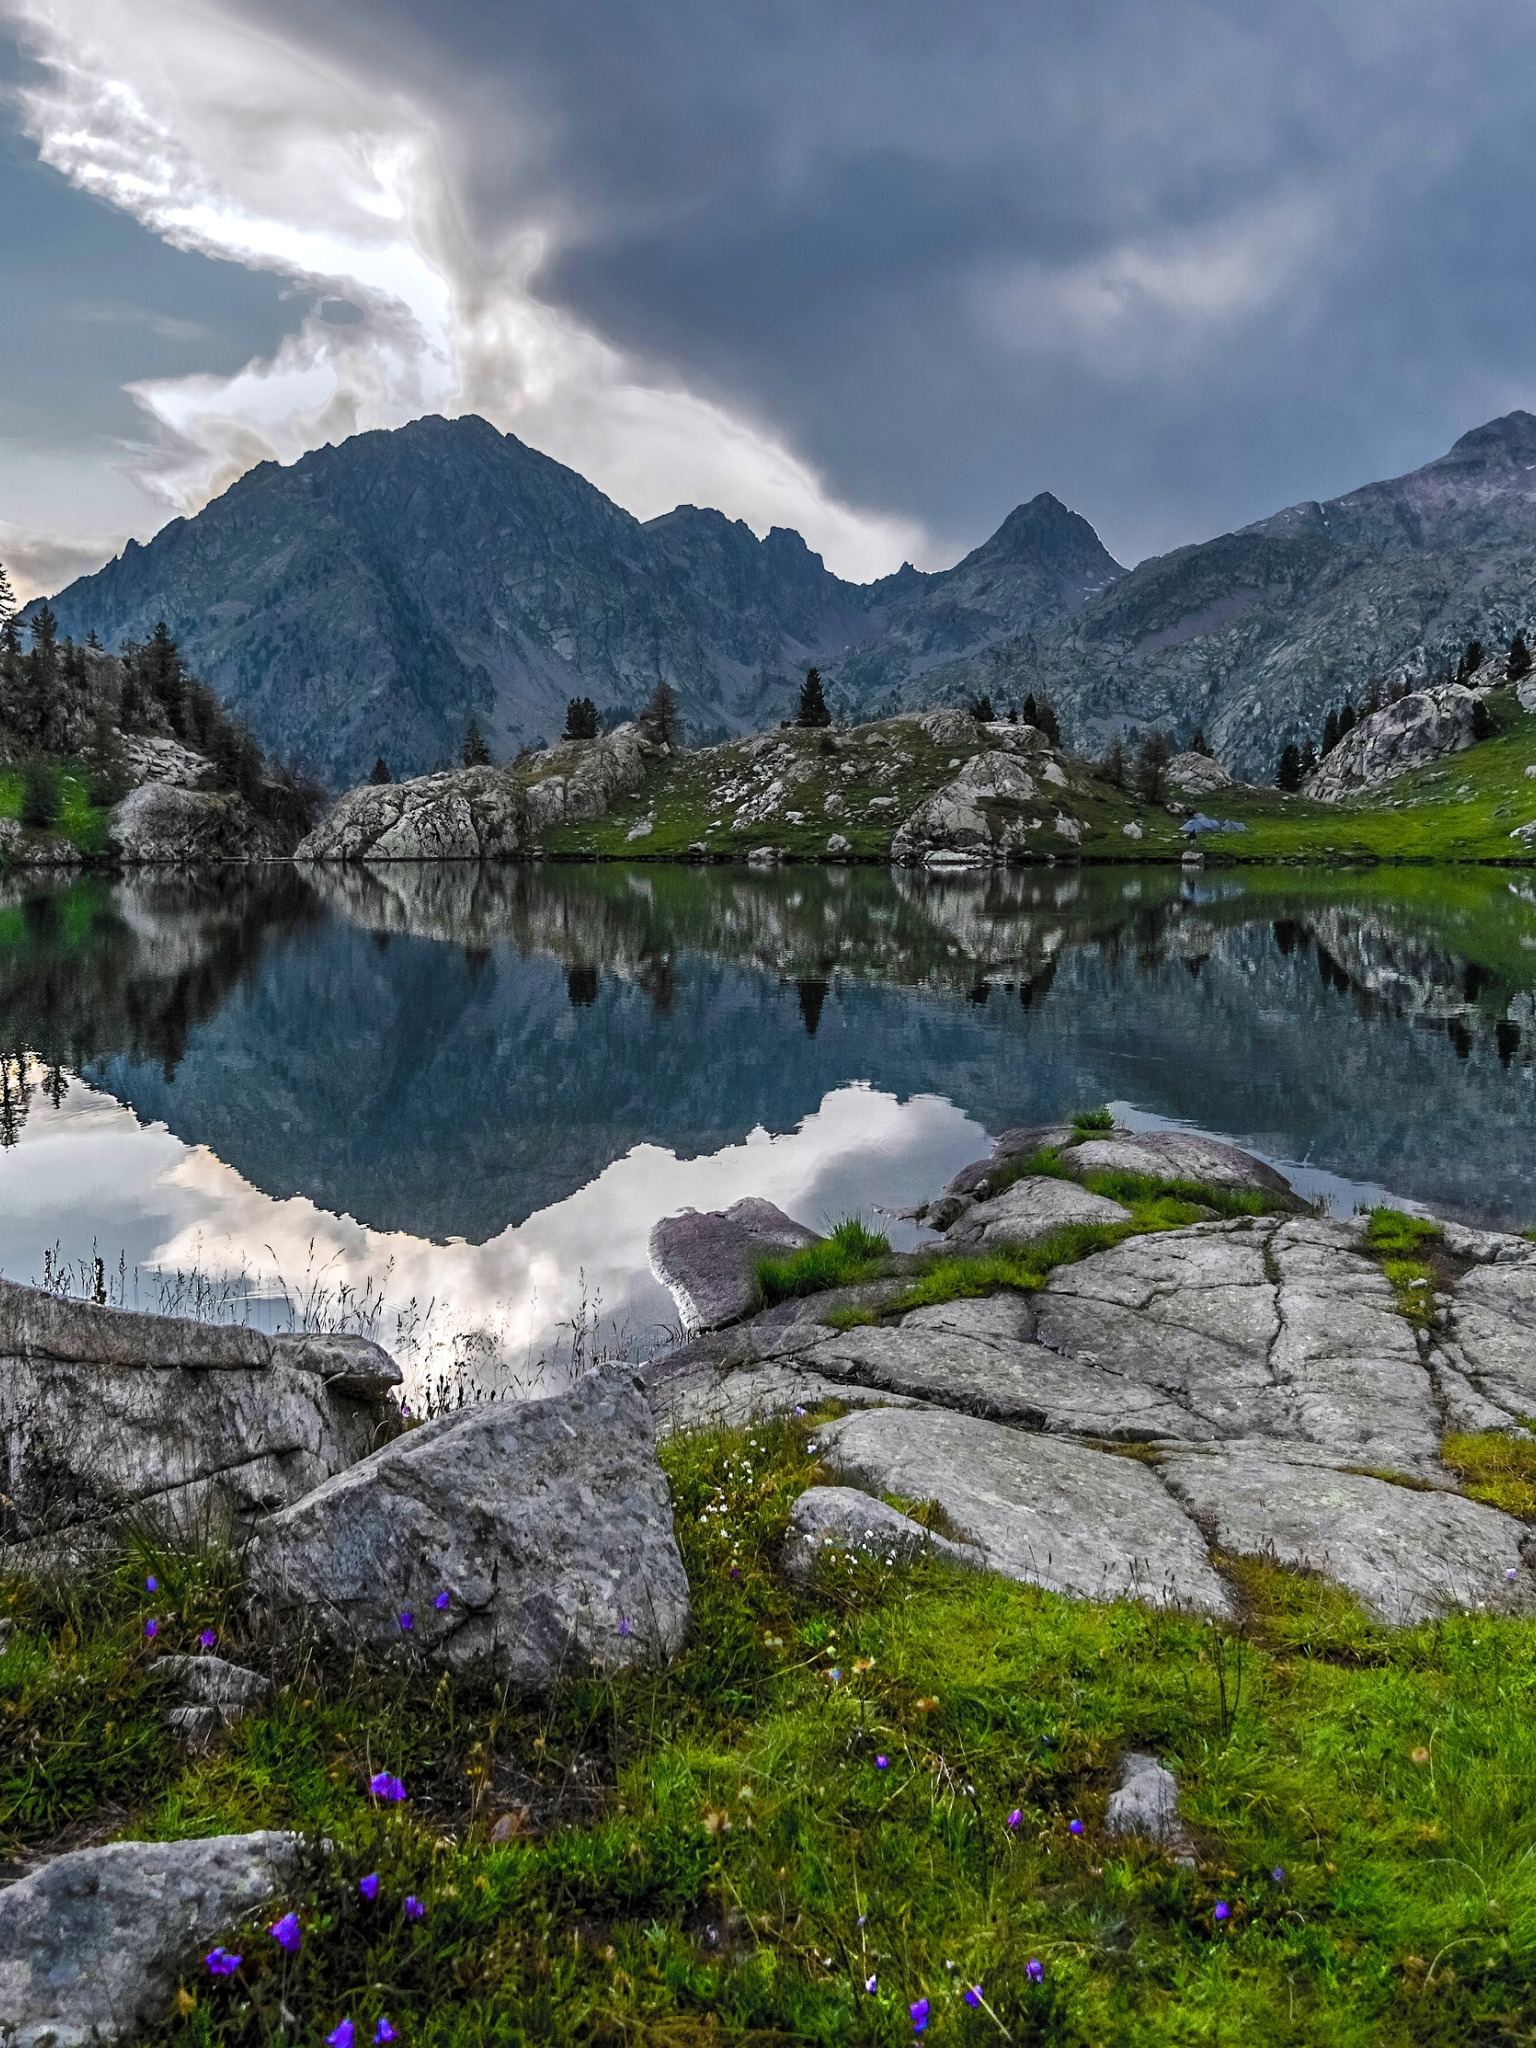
column 1330, row 733
column 580, row 719
column 475, row 753
column 380, row 773
column 7, row 596
column 981, row 710
column 812, row 709
column 1471, row 661
column 1046, row 721
column 1113, row 766
column 1289, row 774
column 1031, row 710
column 1152, row 761
column 1199, row 745
column 1347, row 720
column 1519, row 658
column 661, row 720
column 1483, row 727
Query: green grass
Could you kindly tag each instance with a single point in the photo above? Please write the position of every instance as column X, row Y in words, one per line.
column 739, row 1866
column 78, row 818
column 851, row 1254
column 1399, row 1242
column 1495, row 1468
column 1093, row 1120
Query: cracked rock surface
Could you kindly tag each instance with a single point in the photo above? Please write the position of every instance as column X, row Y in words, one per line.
column 1246, row 1386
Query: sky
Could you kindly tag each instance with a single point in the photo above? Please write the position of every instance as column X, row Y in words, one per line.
column 876, row 271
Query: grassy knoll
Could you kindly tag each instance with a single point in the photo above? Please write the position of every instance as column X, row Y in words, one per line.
column 1461, row 809
column 836, row 1804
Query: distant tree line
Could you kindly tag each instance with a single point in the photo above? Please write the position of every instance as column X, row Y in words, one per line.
column 1297, row 761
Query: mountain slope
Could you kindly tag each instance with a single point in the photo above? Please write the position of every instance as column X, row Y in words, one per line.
column 374, row 596
column 1256, row 634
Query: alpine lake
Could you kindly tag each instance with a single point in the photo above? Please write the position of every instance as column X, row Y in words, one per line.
column 446, row 1105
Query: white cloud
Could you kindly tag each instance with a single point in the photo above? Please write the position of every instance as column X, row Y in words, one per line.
column 227, row 141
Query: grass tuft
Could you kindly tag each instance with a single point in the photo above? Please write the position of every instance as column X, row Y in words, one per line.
column 851, row 1254
column 1092, row 1120
column 1492, row 1467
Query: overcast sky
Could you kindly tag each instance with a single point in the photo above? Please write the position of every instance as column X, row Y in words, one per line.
column 876, row 271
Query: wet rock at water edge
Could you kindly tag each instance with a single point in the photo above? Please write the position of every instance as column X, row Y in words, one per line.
column 532, row 1537
column 94, row 1944
column 163, row 824
column 1030, row 1211
column 708, row 1261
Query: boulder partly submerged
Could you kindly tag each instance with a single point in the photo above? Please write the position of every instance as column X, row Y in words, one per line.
column 94, row 1945
column 708, row 1261
column 462, row 814
column 201, row 1429
column 532, row 1537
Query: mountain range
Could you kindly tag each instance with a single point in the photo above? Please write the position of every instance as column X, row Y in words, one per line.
column 375, row 595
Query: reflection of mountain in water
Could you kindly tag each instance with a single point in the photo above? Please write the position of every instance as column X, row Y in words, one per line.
column 446, row 1051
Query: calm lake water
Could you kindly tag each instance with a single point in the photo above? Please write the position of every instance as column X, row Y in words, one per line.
column 453, row 1102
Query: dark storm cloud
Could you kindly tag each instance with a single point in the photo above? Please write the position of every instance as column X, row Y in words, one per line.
column 1180, row 265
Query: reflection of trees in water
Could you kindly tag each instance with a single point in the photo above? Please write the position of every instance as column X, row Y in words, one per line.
column 98, row 969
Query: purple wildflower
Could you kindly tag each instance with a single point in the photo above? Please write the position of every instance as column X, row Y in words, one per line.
column 407, row 1621
column 625, row 1626
column 151, row 1628
column 1278, row 1874
column 973, row 1996
column 1510, row 1573
column 405, row 1408
column 285, row 1933
column 439, row 1603
column 919, row 2015
column 383, row 1785
column 151, row 1584
column 383, row 2031
column 1222, row 1909
column 1074, row 1827
column 1015, row 1817
column 882, row 1763
column 369, row 1886
column 221, row 1963
column 207, row 1639
column 414, row 1909
column 343, row 2037
column 836, row 1674
column 871, row 1985
column 1034, row 1970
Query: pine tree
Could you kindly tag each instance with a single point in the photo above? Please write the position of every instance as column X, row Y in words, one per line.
column 1031, row 710
column 1519, row 658
column 982, row 712
column 580, row 719
column 1152, row 761
column 1289, row 774
column 1483, row 727
column 1347, row 720
column 812, row 709
column 1113, row 766
column 1308, row 758
column 39, row 795
column 1472, row 660
column 474, row 753
column 7, row 596
column 1330, row 733
column 1199, row 745
column 1046, row 721
column 661, row 720
column 380, row 773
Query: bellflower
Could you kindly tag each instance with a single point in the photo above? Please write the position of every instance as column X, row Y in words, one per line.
column 1015, row 1817
column 973, row 1996
column 1223, row 1910
column 414, row 1909
column 342, row 2037
column 1034, row 1970
column 383, row 1785
column 151, row 1628
column 286, row 1934
column 383, row 2031
column 439, row 1603
column 369, row 1886
column 207, row 1639
column 151, row 1584
column 221, row 1963
column 871, row 1985
column 882, row 1763
column 1278, row 1874
column 1074, row 1827
column 919, row 2014
column 407, row 1621
column 625, row 1626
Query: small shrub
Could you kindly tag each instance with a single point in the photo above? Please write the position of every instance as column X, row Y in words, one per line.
column 39, row 796
column 1092, row 1120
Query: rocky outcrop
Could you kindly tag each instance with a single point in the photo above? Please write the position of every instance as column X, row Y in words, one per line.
column 463, row 814
column 201, row 1428
column 998, row 808
column 709, row 1262
column 1031, row 1211
column 94, row 1944
column 29, row 849
column 1197, row 775
column 531, row 1537
column 209, row 1694
column 165, row 824
column 1419, row 728
column 580, row 779
column 1274, row 1397
column 155, row 757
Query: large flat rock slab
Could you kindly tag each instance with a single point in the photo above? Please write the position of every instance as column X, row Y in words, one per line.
column 94, row 1944
column 1492, row 1319
column 708, row 1260
column 706, row 1398
column 1406, row 1555
column 547, row 1523
column 1030, row 1211
column 1049, row 1513
column 841, row 1518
